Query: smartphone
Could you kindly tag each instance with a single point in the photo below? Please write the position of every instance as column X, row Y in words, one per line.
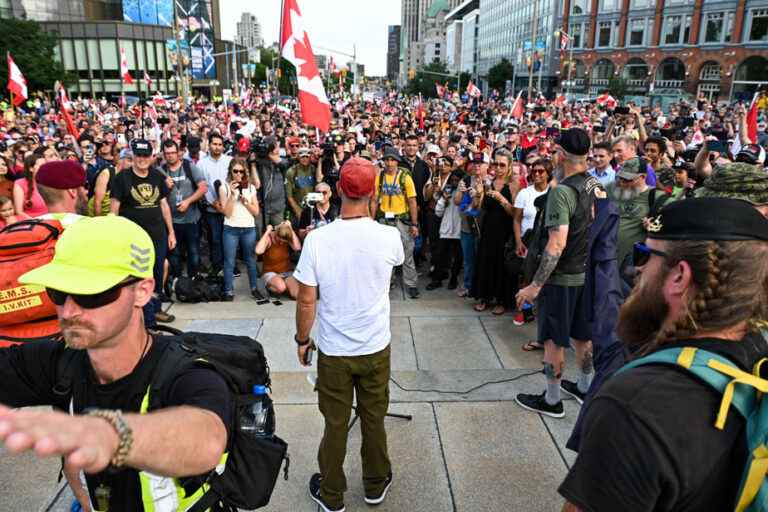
column 308, row 354
column 715, row 145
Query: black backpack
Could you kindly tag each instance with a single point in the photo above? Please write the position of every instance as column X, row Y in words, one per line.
column 198, row 289
column 254, row 463
column 537, row 242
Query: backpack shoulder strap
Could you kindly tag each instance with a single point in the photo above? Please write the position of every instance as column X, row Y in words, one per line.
column 188, row 172
column 175, row 356
column 715, row 370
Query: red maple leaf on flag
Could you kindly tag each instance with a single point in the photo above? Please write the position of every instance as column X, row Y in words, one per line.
column 304, row 52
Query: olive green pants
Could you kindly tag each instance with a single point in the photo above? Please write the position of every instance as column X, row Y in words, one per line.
column 337, row 378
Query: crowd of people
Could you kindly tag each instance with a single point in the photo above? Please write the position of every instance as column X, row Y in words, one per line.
column 507, row 207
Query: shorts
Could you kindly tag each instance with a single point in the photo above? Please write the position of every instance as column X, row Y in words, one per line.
column 562, row 315
column 271, row 275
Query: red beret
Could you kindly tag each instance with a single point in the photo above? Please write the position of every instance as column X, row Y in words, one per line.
column 358, row 177
column 61, row 174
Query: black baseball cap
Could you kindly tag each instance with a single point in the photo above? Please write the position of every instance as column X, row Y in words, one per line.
column 709, row 218
column 141, row 147
column 575, row 141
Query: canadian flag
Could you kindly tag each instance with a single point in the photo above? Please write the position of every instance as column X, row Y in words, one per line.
column 17, row 84
column 560, row 101
column 517, row 107
column 296, row 49
column 64, row 105
column 752, row 120
column 124, row 73
column 607, row 100
column 148, row 80
column 62, row 94
column 472, row 90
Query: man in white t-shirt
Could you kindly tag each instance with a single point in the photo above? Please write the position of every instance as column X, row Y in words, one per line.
column 349, row 262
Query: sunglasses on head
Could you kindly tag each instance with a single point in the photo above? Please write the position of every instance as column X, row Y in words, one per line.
column 641, row 253
column 97, row 300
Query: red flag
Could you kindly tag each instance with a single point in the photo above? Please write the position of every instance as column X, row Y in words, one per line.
column 752, row 121
column 607, row 100
column 472, row 90
column 560, row 100
column 564, row 40
column 64, row 107
column 296, row 49
column 517, row 107
column 440, row 90
column 148, row 80
column 420, row 113
column 124, row 73
column 17, row 84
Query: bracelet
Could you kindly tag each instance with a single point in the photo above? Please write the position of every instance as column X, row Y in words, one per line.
column 124, row 433
column 301, row 343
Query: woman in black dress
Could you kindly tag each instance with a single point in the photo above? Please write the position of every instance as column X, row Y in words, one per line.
column 491, row 284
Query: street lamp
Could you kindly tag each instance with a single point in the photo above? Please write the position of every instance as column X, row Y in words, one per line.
column 559, row 34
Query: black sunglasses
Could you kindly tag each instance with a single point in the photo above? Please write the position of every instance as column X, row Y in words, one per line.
column 641, row 253
column 97, row 300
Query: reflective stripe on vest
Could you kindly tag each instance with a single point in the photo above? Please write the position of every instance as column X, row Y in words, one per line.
column 165, row 494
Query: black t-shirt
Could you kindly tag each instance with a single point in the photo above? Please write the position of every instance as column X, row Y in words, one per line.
column 650, row 442
column 313, row 215
column 28, row 374
column 140, row 200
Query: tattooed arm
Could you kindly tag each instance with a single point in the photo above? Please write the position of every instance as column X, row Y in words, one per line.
column 552, row 252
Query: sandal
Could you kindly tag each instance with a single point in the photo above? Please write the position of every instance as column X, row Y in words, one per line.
column 498, row 310
column 532, row 346
column 480, row 307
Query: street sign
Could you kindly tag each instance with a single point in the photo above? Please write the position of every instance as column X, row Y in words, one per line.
column 540, row 45
column 171, row 44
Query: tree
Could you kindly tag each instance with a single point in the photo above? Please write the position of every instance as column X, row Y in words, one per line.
column 288, row 73
column 424, row 81
column 499, row 74
column 32, row 50
column 617, row 87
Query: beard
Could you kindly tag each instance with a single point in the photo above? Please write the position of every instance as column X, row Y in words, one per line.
column 643, row 314
column 77, row 335
column 624, row 194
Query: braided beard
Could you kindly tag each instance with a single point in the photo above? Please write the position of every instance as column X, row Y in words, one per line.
column 643, row 314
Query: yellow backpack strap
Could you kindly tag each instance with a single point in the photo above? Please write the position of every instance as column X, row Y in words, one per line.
column 739, row 377
column 757, row 371
column 758, row 468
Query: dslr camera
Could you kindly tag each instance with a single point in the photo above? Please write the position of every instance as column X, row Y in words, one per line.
column 259, row 148
column 312, row 198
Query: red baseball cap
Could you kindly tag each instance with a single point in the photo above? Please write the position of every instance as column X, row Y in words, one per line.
column 358, row 177
column 61, row 175
column 243, row 145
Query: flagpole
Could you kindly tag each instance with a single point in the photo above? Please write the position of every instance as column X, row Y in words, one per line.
column 280, row 48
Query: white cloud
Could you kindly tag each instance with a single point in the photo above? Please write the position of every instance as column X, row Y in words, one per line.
column 333, row 24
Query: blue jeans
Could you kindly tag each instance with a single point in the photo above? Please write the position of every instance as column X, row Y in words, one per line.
column 246, row 239
column 187, row 239
column 216, row 223
column 469, row 251
column 154, row 305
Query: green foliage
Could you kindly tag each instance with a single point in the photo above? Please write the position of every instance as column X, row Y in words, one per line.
column 617, row 87
column 288, row 78
column 499, row 74
column 32, row 50
column 424, row 81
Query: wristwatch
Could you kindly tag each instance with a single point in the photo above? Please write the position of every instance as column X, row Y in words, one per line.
column 301, row 343
column 124, row 433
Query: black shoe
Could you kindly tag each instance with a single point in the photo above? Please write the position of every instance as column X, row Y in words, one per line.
column 260, row 299
column 379, row 498
column 434, row 285
column 537, row 403
column 413, row 292
column 228, row 298
column 453, row 284
column 572, row 389
column 314, row 493
column 236, row 272
column 164, row 318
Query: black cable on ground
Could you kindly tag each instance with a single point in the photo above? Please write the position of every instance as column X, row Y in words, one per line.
column 470, row 390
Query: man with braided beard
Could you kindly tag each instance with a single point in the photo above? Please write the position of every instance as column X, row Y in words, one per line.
column 649, row 439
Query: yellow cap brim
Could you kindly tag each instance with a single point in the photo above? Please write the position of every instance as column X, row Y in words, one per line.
column 70, row 279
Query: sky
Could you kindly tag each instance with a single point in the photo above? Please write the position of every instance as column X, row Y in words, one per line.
column 331, row 24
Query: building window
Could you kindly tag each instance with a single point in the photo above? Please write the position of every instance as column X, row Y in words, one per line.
column 642, row 4
column 672, row 30
column 717, row 27
column 759, row 29
column 609, row 5
column 575, row 32
column 604, row 34
column 580, row 7
column 636, row 33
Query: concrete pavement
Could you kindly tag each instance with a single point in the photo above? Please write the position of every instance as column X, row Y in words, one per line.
column 463, row 451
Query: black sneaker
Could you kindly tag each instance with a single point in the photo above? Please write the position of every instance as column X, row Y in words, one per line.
column 572, row 389
column 413, row 292
column 379, row 498
column 537, row 403
column 314, row 493
column 434, row 285
column 236, row 272
column 260, row 299
column 228, row 298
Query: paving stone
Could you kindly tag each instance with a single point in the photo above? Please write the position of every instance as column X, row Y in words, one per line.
column 499, row 457
column 561, row 428
column 448, row 343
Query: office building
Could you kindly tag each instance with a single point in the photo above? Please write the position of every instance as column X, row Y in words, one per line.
column 661, row 47
column 249, row 31
column 393, row 52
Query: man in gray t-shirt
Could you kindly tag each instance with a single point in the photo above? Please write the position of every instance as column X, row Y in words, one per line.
column 188, row 186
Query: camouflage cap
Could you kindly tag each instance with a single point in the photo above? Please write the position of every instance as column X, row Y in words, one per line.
column 738, row 181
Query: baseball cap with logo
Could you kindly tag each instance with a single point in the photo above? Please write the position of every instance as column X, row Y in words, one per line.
column 141, row 147
column 95, row 254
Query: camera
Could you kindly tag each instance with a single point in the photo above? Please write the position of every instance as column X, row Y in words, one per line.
column 259, row 147
column 312, row 198
column 328, row 149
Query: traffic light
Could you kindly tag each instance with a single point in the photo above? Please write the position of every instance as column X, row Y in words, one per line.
column 411, row 73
